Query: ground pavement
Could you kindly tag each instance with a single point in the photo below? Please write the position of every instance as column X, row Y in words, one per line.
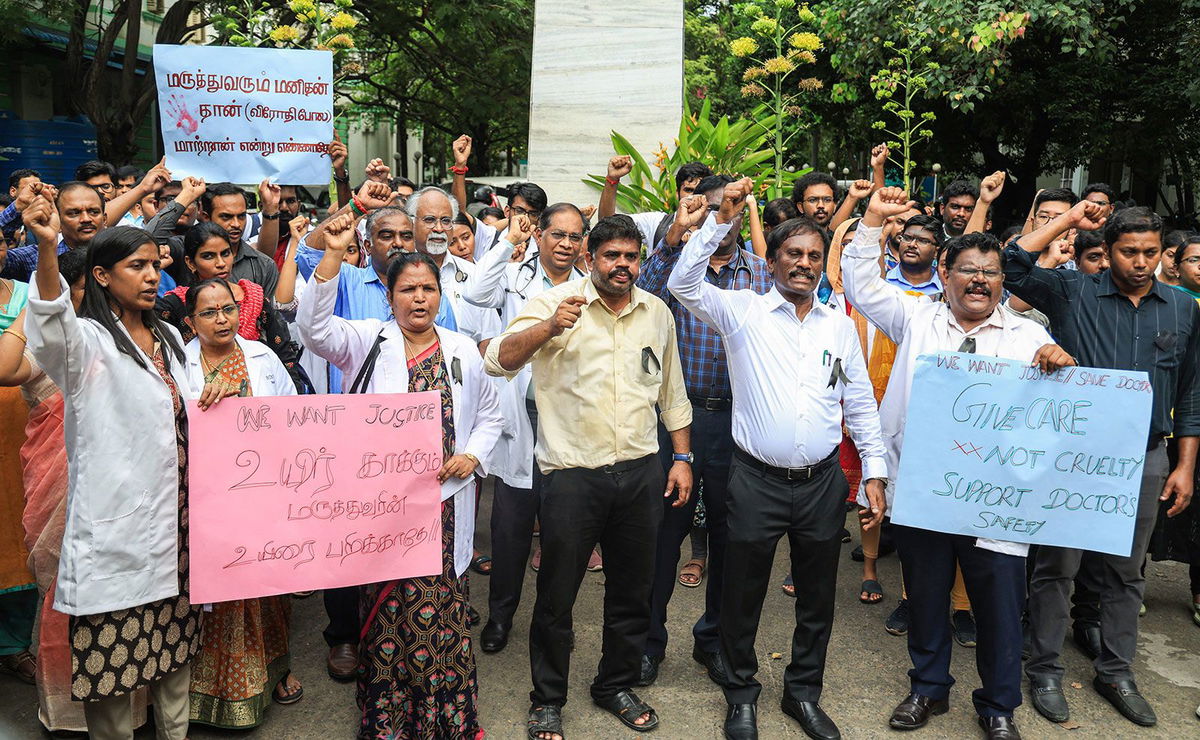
column 864, row 679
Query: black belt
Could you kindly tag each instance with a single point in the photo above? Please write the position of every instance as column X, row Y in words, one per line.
column 625, row 466
column 790, row 474
column 711, row 404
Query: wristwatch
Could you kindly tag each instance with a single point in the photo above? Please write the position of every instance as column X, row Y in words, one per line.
column 686, row 457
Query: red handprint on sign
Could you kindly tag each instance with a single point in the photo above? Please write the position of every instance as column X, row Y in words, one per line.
column 183, row 118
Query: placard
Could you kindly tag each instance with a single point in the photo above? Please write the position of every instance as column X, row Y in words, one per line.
column 241, row 114
column 995, row 448
column 296, row 493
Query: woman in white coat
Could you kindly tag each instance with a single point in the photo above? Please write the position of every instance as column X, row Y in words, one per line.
column 123, row 567
column 244, row 651
column 416, row 666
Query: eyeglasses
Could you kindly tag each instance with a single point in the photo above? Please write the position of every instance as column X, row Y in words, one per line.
column 106, row 187
column 918, row 240
column 971, row 272
column 816, row 201
column 431, row 221
column 1195, row 258
column 211, row 313
column 518, row 210
column 558, row 236
column 1044, row 218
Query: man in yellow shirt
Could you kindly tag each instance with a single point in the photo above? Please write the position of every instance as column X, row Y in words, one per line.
column 604, row 356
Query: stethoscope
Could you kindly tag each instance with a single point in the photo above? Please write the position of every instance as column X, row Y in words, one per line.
column 531, row 264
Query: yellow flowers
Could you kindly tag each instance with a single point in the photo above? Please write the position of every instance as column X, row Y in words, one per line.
column 300, row 7
column 343, row 22
column 753, row 90
column 806, row 15
column 778, row 66
column 805, row 41
column 340, row 41
column 753, row 73
column 743, row 47
column 765, row 26
column 284, row 34
column 803, row 57
column 810, row 84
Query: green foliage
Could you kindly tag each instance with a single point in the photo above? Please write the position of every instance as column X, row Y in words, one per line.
column 737, row 148
column 901, row 82
column 326, row 25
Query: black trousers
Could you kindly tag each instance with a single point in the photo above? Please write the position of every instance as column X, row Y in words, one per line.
column 341, row 606
column 762, row 508
column 1089, row 583
column 712, row 444
column 514, row 511
column 618, row 506
column 996, row 586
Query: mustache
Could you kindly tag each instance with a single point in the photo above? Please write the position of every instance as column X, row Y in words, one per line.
column 801, row 272
column 435, row 237
column 620, row 271
column 975, row 289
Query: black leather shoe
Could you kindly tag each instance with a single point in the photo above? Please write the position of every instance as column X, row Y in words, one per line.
column 813, row 720
column 649, row 671
column 713, row 664
column 1048, row 699
column 1087, row 638
column 494, row 637
column 741, row 722
column 1000, row 728
column 1124, row 695
column 915, row 711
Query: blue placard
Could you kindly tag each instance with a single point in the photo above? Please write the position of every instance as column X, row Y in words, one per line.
column 994, row 448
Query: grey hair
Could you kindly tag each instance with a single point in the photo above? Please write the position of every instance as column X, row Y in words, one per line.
column 379, row 213
column 414, row 201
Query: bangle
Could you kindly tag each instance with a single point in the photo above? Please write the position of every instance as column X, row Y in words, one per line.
column 611, row 181
column 459, row 170
column 271, row 216
column 357, row 207
column 473, row 458
column 16, row 334
column 343, row 179
column 320, row 278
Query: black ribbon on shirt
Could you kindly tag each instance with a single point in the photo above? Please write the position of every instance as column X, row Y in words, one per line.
column 838, row 374
column 968, row 346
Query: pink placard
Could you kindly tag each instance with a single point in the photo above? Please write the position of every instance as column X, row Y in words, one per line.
column 296, row 493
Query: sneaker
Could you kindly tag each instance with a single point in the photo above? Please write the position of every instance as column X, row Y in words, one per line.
column 536, row 562
column 897, row 621
column 595, row 563
column 963, row 625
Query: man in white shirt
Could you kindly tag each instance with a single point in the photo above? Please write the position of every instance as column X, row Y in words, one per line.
column 797, row 370
column 970, row 320
column 652, row 224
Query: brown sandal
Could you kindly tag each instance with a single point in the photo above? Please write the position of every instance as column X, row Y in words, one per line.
column 691, row 574
column 22, row 665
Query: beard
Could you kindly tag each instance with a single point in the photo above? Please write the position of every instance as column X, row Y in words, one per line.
column 436, row 244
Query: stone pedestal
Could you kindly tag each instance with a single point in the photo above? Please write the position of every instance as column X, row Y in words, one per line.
column 601, row 66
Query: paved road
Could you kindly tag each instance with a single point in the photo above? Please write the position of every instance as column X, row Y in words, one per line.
column 864, row 679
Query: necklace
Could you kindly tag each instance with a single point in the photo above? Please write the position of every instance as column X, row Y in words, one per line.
column 412, row 351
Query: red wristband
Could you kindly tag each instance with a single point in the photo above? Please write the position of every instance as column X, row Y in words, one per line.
column 459, row 170
column 611, row 181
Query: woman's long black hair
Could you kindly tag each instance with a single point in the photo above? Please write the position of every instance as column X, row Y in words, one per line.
column 195, row 238
column 108, row 248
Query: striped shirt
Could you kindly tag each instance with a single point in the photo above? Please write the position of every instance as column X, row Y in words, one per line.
column 1100, row 327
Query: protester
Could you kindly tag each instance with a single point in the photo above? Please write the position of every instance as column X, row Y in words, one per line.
column 102, row 176
column 414, row 697
column 129, row 627
column 784, row 476
column 1047, row 206
column 501, row 284
column 814, row 194
column 1096, row 318
column 18, row 592
column 956, row 206
column 1168, row 266
column 23, row 185
column 244, row 648
column 287, row 299
column 602, row 479
column 224, row 204
column 208, row 252
column 79, row 217
column 1102, row 195
column 970, row 320
column 774, row 213
column 653, row 225
column 706, row 378
column 920, row 241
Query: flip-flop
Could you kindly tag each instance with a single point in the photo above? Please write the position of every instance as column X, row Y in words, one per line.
column 627, row 707
column 691, row 574
column 547, row 719
column 871, row 586
column 788, row 584
column 478, row 563
column 288, row 697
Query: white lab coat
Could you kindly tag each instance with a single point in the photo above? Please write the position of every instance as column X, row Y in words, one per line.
column 268, row 376
column 476, row 405
column 120, row 546
column 499, row 283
